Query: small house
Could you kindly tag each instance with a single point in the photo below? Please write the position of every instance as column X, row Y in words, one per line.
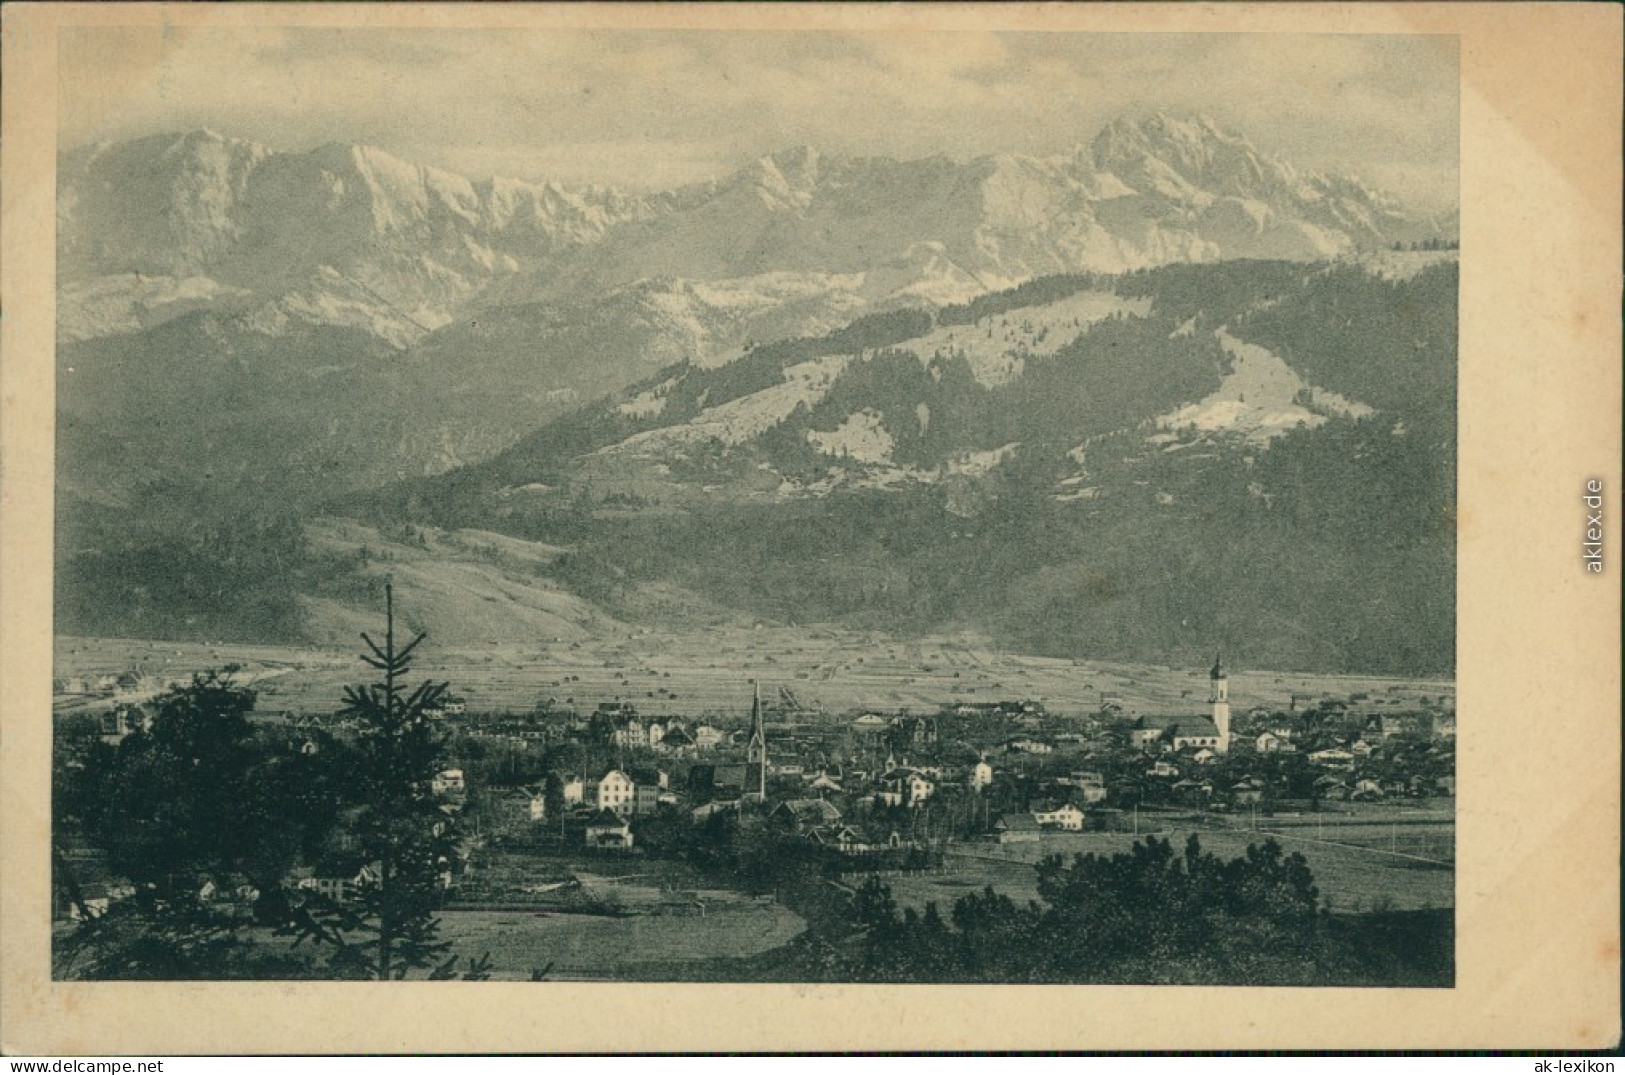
column 608, row 831
column 1058, row 816
column 677, row 740
column 1366, row 791
column 905, row 787
column 1017, row 829
column 822, row 781
column 804, row 815
column 1247, row 792
column 614, row 792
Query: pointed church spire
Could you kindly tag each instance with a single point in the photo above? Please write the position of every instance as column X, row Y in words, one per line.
column 756, row 749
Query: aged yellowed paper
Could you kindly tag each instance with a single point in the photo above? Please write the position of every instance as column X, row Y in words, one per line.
column 1527, row 203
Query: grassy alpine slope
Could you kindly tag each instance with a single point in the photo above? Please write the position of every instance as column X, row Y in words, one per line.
column 1098, row 530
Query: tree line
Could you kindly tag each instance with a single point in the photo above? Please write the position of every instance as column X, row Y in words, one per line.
column 1148, row 915
column 206, row 823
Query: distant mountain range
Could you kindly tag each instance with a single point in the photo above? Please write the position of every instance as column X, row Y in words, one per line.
column 350, row 236
column 914, row 393
column 444, row 317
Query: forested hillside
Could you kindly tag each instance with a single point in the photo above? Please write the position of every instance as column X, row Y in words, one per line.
column 1061, row 510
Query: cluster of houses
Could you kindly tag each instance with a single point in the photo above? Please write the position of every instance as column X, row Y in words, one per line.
column 113, row 684
column 820, row 823
column 1352, row 758
column 698, row 769
column 618, row 724
column 850, row 786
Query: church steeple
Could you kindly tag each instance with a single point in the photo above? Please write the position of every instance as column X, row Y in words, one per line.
column 756, row 749
column 1219, row 698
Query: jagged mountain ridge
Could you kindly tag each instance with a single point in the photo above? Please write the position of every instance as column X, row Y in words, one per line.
column 417, row 241
column 509, row 302
column 349, row 234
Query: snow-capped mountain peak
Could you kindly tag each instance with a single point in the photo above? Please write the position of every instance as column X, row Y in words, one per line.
column 217, row 219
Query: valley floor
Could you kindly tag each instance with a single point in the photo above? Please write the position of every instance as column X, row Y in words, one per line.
column 661, row 938
column 708, row 672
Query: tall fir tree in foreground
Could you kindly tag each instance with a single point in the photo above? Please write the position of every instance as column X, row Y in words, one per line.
column 388, row 925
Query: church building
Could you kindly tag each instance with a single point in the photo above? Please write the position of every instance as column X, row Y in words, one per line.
column 1187, row 732
column 1219, row 699
column 756, row 751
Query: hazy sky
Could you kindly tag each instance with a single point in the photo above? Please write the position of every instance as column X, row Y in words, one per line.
column 652, row 109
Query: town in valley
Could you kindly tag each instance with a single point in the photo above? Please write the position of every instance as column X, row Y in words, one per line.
column 634, row 837
column 840, row 506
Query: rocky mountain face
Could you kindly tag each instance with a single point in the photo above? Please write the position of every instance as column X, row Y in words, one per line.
column 507, row 302
column 342, row 235
column 351, row 236
column 907, row 386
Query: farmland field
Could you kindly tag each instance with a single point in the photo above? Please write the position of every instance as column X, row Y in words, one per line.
column 1350, row 879
column 660, row 921
column 692, row 674
column 594, row 947
column 1424, row 840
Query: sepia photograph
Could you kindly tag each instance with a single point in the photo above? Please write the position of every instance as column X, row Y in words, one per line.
column 857, row 503
column 997, row 526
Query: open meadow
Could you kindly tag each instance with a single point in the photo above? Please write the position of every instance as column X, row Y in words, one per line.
column 617, row 918
column 707, row 673
column 1351, row 879
column 591, row 947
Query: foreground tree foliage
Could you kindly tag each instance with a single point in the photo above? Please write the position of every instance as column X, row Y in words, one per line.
column 148, row 938
column 1147, row 915
column 170, row 802
column 406, row 839
column 206, row 822
column 187, row 809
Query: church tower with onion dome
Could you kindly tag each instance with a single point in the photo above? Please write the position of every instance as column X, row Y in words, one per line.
column 1219, row 698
